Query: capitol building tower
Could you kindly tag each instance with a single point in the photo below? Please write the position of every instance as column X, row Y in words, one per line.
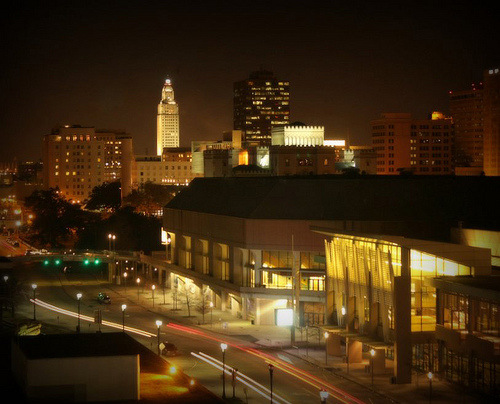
column 167, row 133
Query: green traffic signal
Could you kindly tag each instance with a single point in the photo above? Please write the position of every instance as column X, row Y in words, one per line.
column 97, row 261
column 57, row 261
column 86, row 262
column 46, row 262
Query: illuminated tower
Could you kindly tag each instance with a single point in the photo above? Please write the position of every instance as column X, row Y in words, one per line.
column 167, row 132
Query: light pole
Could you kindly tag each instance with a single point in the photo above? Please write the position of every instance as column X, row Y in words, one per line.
column 323, row 395
column 430, row 376
column 125, row 274
column 34, row 286
column 138, row 280
column 372, row 355
column 271, row 370
column 153, row 287
column 124, row 307
column 78, row 298
column 235, row 371
column 6, row 278
column 211, row 313
column 223, row 348
column 158, row 324
column 326, row 335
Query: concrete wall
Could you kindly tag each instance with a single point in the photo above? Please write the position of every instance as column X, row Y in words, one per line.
column 86, row 379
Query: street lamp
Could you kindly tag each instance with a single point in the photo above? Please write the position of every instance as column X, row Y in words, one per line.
column 323, row 395
column 372, row 355
column 34, row 286
column 223, row 348
column 124, row 307
column 78, row 298
column 125, row 274
column 271, row 370
column 153, row 287
column 6, row 278
column 430, row 376
column 211, row 313
column 158, row 324
column 326, row 335
column 138, row 280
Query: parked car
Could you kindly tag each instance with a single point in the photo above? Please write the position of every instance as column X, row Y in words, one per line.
column 103, row 298
column 169, row 349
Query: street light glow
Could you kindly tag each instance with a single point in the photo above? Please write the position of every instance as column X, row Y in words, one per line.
column 223, row 346
column 159, row 323
column 34, row 286
column 124, row 306
column 78, row 296
column 372, row 352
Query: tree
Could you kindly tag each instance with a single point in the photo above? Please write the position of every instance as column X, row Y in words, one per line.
column 151, row 198
column 55, row 218
column 204, row 303
column 105, row 197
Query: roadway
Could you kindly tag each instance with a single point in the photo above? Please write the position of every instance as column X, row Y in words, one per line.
column 294, row 380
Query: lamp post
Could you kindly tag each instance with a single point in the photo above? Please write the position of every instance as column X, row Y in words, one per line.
column 233, row 374
column 125, row 274
column 78, row 298
column 153, row 287
column 34, row 286
column 326, row 335
column 124, row 307
column 430, row 376
column 6, row 278
column 271, row 370
column 223, row 348
column 158, row 324
column 138, row 281
column 211, row 313
column 323, row 395
column 372, row 355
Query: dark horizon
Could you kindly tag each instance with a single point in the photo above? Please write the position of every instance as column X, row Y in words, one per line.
column 103, row 65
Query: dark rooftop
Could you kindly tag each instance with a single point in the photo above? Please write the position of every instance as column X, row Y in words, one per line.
column 78, row 345
column 447, row 199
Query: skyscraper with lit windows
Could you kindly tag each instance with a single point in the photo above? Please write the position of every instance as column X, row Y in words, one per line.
column 261, row 102
column 167, row 131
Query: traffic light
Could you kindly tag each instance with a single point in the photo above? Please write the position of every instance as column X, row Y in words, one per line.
column 97, row 261
column 57, row 261
column 86, row 262
column 46, row 262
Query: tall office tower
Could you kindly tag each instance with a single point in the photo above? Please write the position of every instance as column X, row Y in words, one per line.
column 491, row 108
column 260, row 103
column 466, row 108
column 423, row 146
column 167, row 123
column 76, row 159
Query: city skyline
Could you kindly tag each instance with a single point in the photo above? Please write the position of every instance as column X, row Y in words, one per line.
column 346, row 65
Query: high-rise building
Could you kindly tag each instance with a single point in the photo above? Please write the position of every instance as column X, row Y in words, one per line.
column 167, row 130
column 491, row 108
column 466, row 108
column 76, row 159
column 260, row 103
column 423, row 146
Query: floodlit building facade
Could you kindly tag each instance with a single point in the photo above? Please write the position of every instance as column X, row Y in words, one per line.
column 422, row 146
column 298, row 134
column 173, row 167
column 379, row 293
column 167, row 125
column 261, row 102
column 76, row 159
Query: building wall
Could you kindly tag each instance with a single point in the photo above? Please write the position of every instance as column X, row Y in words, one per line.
column 491, row 107
column 466, row 109
column 404, row 143
column 303, row 160
column 261, row 102
column 79, row 379
column 77, row 159
column 298, row 136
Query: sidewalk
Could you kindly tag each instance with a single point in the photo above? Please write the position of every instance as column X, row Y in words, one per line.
column 313, row 352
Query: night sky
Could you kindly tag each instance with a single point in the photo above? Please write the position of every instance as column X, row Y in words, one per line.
column 103, row 63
